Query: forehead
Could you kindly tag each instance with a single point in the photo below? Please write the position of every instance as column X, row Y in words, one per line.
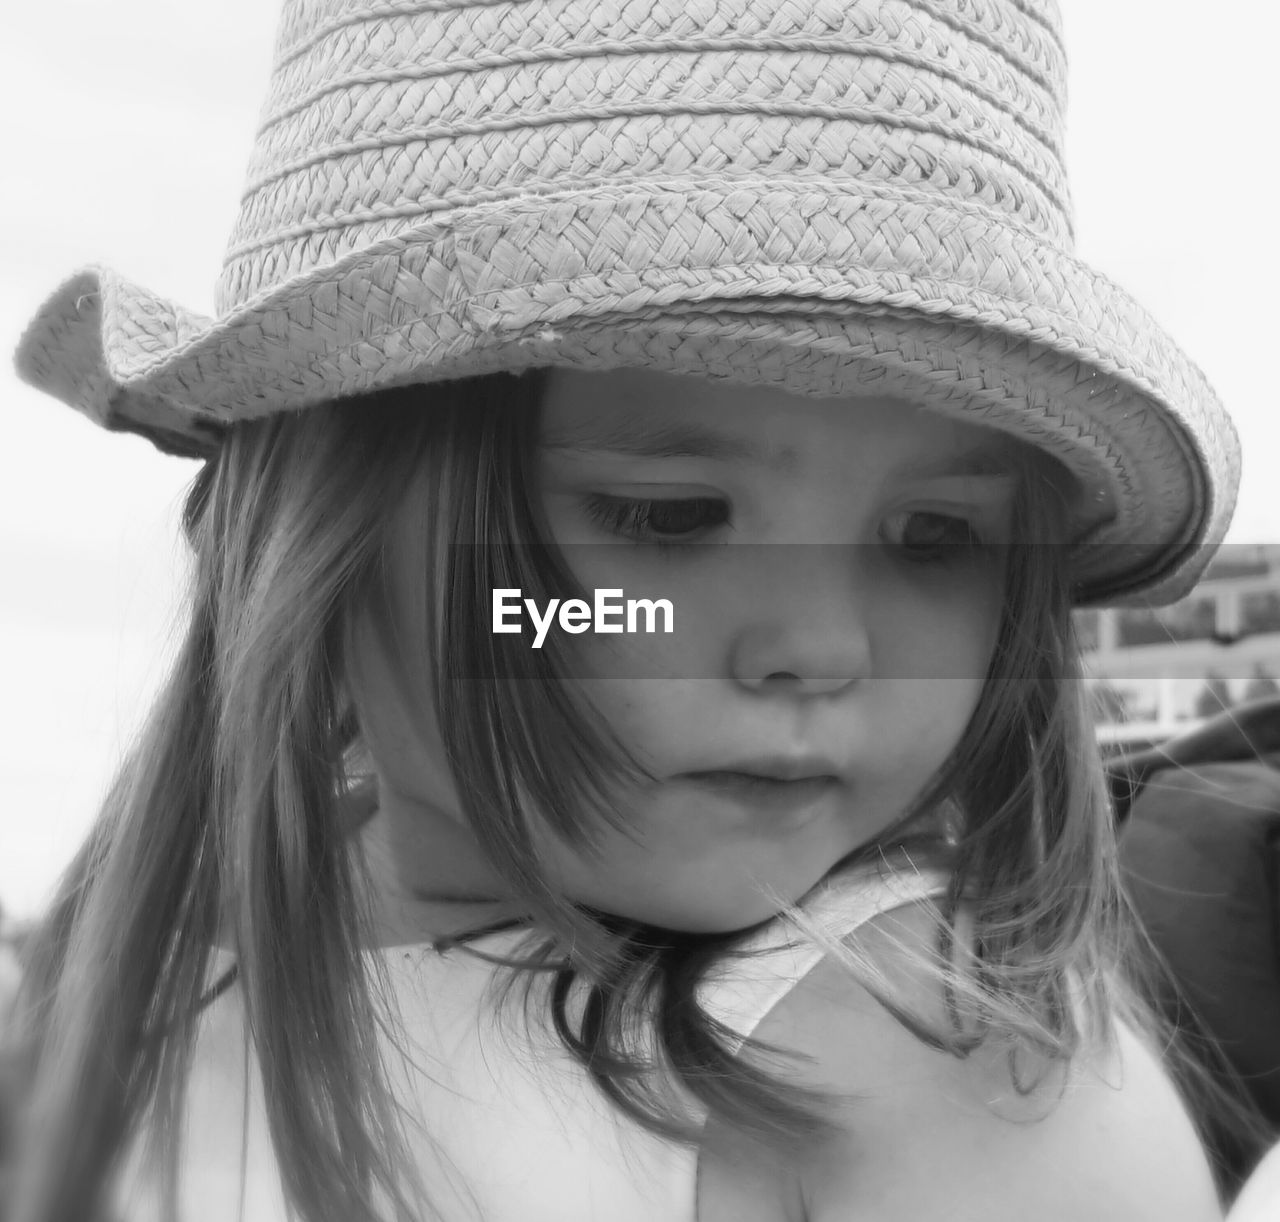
column 647, row 413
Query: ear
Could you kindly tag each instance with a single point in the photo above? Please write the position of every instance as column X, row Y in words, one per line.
column 358, row 805
column 359, row 802
column 399, row 729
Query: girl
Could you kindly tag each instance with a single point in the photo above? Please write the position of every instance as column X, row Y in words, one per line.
column 763, row 316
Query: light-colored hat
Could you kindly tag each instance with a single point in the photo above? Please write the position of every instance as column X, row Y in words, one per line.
column 836, row 197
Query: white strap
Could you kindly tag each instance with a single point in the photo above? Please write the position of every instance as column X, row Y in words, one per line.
column 747, row 984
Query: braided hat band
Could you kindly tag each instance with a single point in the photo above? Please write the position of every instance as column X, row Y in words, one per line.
column 836, row 197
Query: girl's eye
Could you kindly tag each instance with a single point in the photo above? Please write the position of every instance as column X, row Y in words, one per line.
column 928, row 535
column 657, row 521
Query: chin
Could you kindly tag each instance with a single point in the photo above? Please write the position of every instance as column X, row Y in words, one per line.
column 709, row 924
column 712, row 889
column 718, row 909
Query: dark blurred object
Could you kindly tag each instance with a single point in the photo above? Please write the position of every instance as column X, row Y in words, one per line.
column 1200, row 854
column 1246, row 732
column 1215, row 697
column 1262, row 684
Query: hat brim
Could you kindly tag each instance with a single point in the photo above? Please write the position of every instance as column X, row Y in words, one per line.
column 893, row 299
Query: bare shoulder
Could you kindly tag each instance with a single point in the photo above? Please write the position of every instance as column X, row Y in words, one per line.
column 922, row 1133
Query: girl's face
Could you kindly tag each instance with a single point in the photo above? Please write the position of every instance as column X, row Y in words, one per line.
column 835, row 571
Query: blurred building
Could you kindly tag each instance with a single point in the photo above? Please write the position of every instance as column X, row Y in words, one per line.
column 1156, row 672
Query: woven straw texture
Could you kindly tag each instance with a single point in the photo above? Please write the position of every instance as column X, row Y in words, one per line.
column 836, row 197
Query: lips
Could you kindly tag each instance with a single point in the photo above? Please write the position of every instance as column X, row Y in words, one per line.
column 776, row 788
column 766, row 795
column 735, row 779
column 777, row 768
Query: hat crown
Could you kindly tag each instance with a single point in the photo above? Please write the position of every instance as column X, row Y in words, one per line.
column 384, row 118
column 832, row 197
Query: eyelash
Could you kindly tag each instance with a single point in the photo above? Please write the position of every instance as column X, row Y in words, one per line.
column 634, row 518
column 973, row 538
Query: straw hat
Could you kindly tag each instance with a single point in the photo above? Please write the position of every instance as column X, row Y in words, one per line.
column 836, row 197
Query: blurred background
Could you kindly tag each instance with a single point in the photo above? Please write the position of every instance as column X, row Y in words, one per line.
column 127, row 127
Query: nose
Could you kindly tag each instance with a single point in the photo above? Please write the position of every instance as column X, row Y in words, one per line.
column 805, row 630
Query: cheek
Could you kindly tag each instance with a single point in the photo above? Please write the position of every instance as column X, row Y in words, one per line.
column 943, row 634
column 930, row 716
column 933, row 655
column 695, row 648
column 652, row 718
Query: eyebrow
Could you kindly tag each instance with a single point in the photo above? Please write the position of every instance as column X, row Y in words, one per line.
column 981, row 460
column 678, row 439
column 670, row 439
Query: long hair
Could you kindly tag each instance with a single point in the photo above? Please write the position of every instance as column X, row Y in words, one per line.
column 231, row 821
column 228, row 819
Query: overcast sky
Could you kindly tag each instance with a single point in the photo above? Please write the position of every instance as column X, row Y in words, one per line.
column 127, row 126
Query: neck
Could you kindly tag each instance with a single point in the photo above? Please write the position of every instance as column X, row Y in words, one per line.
column 429, row 877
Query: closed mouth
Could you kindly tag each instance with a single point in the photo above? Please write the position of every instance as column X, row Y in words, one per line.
column 780, row 768
column 762, row 782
